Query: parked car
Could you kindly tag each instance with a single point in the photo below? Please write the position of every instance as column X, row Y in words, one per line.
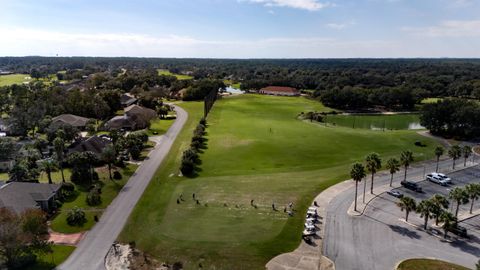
column 411, row 185
column 436, row 179
column 458, row 230
column 395, row 193
column 443, row 177
column 311, row 220
column 308, row 233
column 310, row 227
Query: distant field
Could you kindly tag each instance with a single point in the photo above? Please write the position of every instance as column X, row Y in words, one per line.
column 179, row 76
column 376, row 122
column 258, row 150
column 6, row 80
column 427, row 264
column 431, row 100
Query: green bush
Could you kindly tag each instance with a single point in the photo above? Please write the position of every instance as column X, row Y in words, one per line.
column 76, row 217
column 93, row 197
column 117, row 175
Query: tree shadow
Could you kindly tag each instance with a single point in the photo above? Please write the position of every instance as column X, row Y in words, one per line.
column 466, row 247
column 404, row 231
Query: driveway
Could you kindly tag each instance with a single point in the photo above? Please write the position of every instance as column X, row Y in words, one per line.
column 91, row 251
column 379, row 238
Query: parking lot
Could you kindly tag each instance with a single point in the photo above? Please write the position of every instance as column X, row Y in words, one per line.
column 385, row 205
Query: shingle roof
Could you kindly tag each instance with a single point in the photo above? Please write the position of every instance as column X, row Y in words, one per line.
column 73, row 120
column 127, row 99
column 20, row 196
column 93, row 144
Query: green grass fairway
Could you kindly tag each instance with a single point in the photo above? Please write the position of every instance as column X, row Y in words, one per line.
column 376, row 122
column 6, row 80
column 179, row 76
column 159, row 126
column 50, row 261
column 257, row 149
column 427, row 264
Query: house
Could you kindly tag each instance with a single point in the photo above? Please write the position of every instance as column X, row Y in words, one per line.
column 279, row 91
column 70, row 119
column 21, row 196
column 93, row 144
column 135, row 117
column 3, row 128
column 127, row 100
column 6, row 165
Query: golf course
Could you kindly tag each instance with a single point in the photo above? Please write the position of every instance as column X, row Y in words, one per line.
column 258, row 150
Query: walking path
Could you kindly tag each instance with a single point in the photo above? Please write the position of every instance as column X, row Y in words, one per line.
column 65, row 239
column 92, row 249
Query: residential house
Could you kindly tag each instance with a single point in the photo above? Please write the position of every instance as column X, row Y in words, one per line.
column 279, row 91
column 70, row 119
column 135, row 117
column 93, row 144
column 3, row 128
column 6, row 165
column 128, row 100
column 21, row 196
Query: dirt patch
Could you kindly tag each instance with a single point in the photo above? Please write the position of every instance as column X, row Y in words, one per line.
column 125, row 257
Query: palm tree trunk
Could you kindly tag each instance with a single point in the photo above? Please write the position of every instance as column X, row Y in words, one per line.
column 391, row 179
column 445, row 234
column 364, row 189
column 426, row 222
column 406, row 215
column 371, row 185
column 405, row 177
column 436, row 220
column 110, row 171
column 465, row 163
column 458, row 207
column 471, row 205
column 438, row 161
column 49, row 177
column 453, row 167
column 61, row 170
column 356, row 188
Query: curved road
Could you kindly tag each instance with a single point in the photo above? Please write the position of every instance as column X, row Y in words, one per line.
column 91, row 251
column 378, row 239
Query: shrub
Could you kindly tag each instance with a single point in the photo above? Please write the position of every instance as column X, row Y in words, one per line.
column 198, row 139
column 196, row 145
column 68, row 187
column 190, row 154
column 76, row 217
column 93, row 197
column 187, row 167
column 117, row 175
column 203, row 121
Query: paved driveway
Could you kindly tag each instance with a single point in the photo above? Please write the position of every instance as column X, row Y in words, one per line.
column 91, row 251
column 379, row 238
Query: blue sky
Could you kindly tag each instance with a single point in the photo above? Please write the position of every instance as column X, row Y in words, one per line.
column 241, row 28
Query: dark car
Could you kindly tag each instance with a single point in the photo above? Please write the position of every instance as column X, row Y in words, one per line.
column 411, row 185
column 458, row 230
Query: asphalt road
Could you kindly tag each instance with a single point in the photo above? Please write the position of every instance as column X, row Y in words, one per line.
column 90, row 252
column 379, row 239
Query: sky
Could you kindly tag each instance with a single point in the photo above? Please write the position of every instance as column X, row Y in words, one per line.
column 241, row 28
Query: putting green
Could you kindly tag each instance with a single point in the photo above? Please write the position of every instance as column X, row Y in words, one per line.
column 257, row 149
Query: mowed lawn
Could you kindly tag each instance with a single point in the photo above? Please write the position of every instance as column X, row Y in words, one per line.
column 10, row 79
column 428, row 264
column 257, row 150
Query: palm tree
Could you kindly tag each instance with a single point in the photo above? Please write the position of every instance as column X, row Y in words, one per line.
column 466, row 151
column 408, row 204
column 109, row 155
column 439, row 151
column 448, row 220
column 393, row 165
column 406, row 157
column 440, row 204
column 473, row 191
column 373, row 163
column 455, row 153
column 357, row 173
column 424, row 208
column 59, row 147
column 48, row 166
column 460, row 196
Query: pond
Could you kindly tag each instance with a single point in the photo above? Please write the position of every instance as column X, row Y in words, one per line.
column 376, row 122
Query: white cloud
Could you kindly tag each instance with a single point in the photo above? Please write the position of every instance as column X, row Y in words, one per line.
column 340, row 26
column 24, row 41
column 448, row 29
column 311, row 5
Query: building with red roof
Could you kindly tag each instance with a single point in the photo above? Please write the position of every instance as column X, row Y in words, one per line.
column 279, row 91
